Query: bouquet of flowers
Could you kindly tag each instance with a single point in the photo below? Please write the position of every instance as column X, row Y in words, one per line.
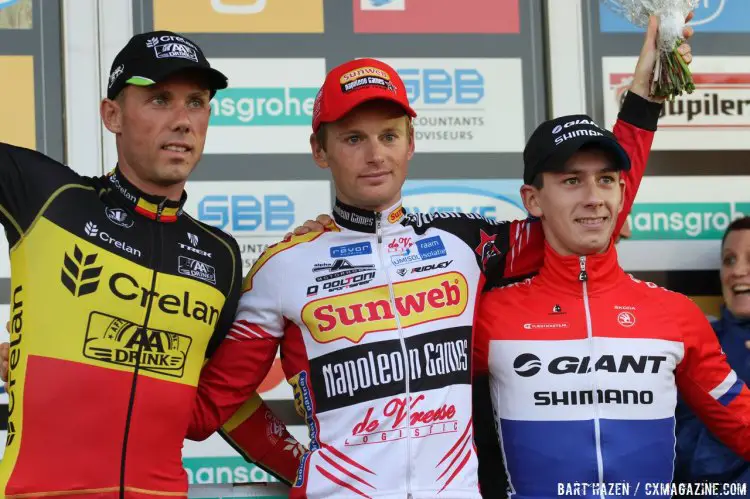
column 671, row 75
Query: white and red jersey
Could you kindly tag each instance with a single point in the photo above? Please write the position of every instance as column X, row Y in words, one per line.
column 374, row 319
column 585, row 364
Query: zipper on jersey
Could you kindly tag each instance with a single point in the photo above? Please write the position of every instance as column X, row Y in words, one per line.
column 407, row 368
column 584, row 277
column 155, row 262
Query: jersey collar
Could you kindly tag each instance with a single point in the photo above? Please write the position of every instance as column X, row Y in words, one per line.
column 602, row 269
column 360, row 220
column 157, row 208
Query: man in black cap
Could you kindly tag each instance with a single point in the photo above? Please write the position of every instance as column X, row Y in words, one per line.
column 585, row 362
column 118, row 296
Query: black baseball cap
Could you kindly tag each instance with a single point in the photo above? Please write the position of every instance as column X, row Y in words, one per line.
column 555, row 141
column 150, row 58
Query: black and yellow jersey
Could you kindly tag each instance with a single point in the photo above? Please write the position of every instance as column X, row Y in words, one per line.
column 116, row 299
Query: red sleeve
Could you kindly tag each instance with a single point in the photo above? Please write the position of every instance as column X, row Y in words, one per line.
column 634, row 129
column 483, row 332
column 709, row 386
column 258, row 434
column 230, row 378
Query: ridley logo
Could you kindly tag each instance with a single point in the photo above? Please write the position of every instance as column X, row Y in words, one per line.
column 353, row 315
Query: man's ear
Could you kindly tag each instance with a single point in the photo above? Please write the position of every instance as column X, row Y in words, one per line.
column 319, row 154
column 111, row 114
column 622, row 195
column 530, row 197
column 411, row 140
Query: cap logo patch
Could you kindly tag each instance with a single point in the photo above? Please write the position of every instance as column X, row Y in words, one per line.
column 366, row 77
column 173, row 46
column 116, row 74
column 559, row 128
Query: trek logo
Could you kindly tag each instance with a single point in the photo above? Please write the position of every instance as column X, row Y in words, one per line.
column 119, row 217
column 117, row 341
column 351, row 316
column 168, row 46
column 426, row 249
column 194, row 248
column 92, row 230
column 126, row 287
column 527, row 364
column 194, row 268
column 79, row 274
column 348, row 250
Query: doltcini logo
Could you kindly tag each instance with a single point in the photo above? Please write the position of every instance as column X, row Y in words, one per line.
column 117, row 341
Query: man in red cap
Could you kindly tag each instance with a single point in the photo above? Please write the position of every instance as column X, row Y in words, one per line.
column 374, row 315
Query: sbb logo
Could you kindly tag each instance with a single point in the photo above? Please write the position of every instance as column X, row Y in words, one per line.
column 247, row 213
column 438, row 86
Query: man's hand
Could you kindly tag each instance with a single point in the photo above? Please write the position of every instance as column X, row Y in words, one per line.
column 317, row 225
column 644, row 69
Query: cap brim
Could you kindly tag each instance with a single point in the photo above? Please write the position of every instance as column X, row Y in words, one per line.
column 215, row 78
column 556, row 162
column 367, row 97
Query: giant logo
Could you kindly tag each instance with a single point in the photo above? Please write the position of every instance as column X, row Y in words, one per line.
column 239, row 16
column 465, row 105
column 436, row 16
column 353, row 315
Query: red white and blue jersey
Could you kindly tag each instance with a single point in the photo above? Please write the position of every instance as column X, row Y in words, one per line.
column 585, row 364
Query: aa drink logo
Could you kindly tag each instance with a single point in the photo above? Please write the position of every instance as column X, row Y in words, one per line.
column 493, row 199
column 715, row 116
column 257, row 214
column 436, row 16
column 465, row 105
column 268, row 107
column 711, row 16
column 239, row 16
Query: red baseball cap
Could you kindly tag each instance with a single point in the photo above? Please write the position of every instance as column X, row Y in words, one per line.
column 354, row 82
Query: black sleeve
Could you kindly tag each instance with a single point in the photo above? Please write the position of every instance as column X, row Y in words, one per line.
column 493, row 480
column 27, row 180
column 229, row 309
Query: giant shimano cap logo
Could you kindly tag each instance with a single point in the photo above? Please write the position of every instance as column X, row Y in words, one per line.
column 353, row 315
column 528, row 364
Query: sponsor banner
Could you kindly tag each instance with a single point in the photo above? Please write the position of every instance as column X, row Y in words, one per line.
column 243, row 16
column 15, row 14
column 257, row 213
column 223, row 470
column 377, row 370
column 681, row 216
column 436, row 16
column 21, row 130
column 711, row 16
column 493, row 199
column 465, row 105
column 715, row 116
column 268, row 107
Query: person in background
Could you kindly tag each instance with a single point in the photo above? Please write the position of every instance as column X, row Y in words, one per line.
column 700, row 456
